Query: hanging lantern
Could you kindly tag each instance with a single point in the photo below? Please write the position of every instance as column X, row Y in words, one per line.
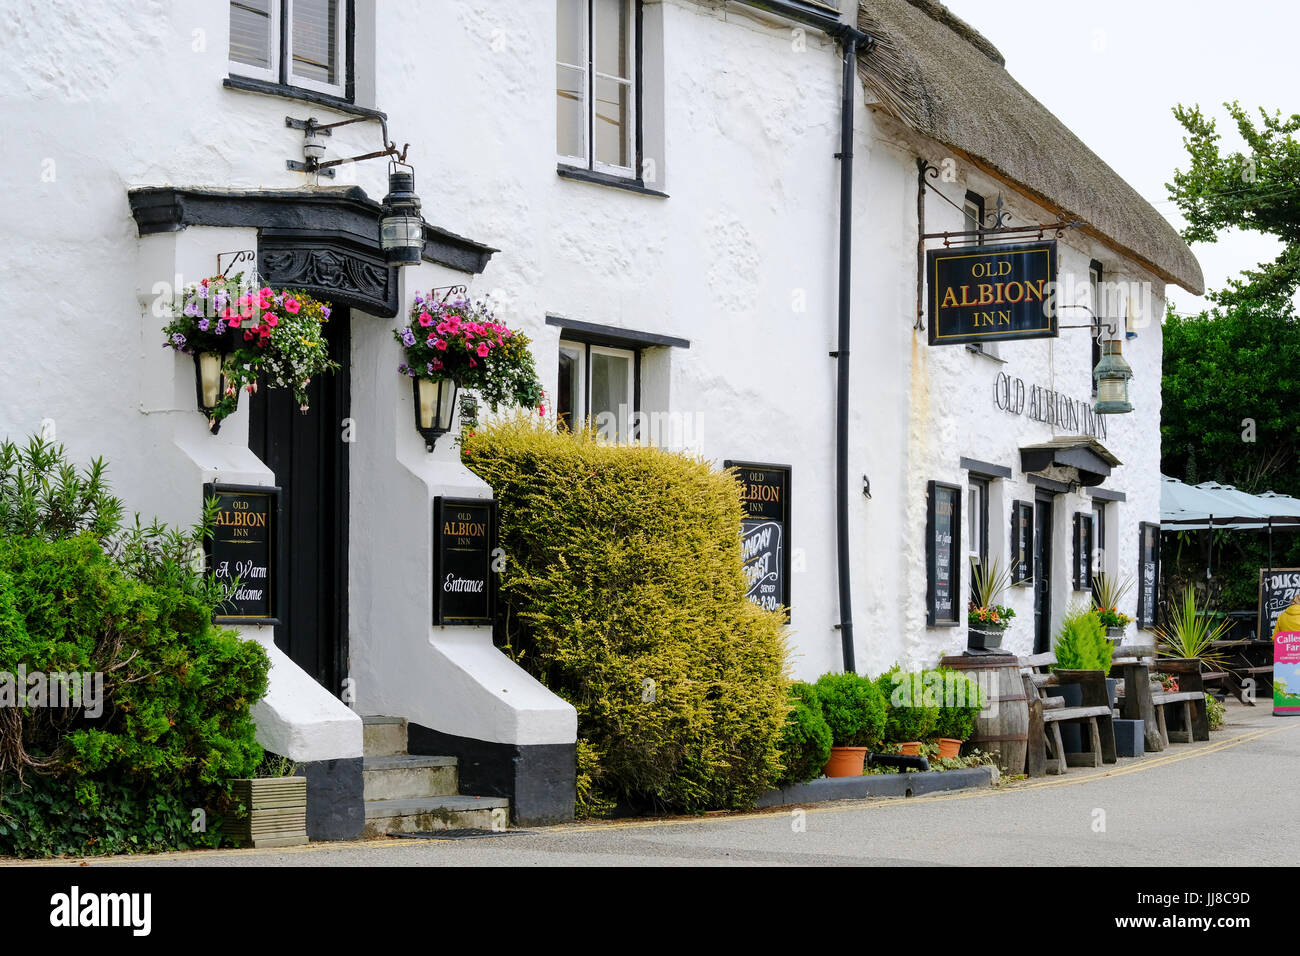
column 401, row 228
column 435, row 408
column 1112, row 375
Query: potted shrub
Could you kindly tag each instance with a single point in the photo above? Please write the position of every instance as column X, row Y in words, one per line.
column 987, row 620
column 911, row 710
column 1189, row 633
column 1107, row 593
column 806, row 740
column 959, row 708
column 855, row 712
column 1081, row 644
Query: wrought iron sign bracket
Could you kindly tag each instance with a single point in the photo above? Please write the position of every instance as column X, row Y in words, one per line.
column 232, row 258
column 311, row 128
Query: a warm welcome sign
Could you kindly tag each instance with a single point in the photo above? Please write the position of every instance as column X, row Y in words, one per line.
column 991, row 293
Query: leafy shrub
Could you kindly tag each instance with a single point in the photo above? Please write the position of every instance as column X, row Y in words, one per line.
column 1215, row 712
column 854, row 709
column 82, row 593
column 910, row 712
column 806, row 740
column 1081, row 642
column 623, row 593
column 956, row 721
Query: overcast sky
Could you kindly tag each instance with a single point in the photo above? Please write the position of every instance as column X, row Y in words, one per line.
column 1112, row 71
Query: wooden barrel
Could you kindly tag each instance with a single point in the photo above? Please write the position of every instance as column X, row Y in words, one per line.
column 1003, row 726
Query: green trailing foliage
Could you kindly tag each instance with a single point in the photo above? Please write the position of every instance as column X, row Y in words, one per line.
column 854, row 709
column 623, row 592
column 806, row 739
column 164, row 724
column 1081, row 642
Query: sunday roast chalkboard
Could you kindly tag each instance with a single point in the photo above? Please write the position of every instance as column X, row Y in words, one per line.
column 1276, row 589
column 464, row 532
column 243, row 548
column 1082, row 551
column 942, row 540
column 1022, row 542
column 765, row 532
column 1148, row 574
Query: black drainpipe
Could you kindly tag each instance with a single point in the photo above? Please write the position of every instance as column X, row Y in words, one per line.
column 849, row 39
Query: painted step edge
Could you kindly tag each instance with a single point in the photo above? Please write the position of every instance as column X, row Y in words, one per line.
column 405, row 762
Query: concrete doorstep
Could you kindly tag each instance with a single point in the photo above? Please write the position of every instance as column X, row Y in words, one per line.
column 880, row 785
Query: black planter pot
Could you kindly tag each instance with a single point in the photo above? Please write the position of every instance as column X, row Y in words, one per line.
column 984, row 639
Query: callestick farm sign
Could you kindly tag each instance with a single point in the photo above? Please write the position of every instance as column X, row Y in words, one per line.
column 463, row 534
column 243, row 548
column 991, row 293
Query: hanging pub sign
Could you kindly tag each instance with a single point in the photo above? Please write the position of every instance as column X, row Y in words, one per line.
column 765, row 532
column 1276, row 589
column 991, row 293
column 464, row 533
column 242, row 550
column 1082, row 551
column 1022, row 542
column 1148, row 574
column 943, row 574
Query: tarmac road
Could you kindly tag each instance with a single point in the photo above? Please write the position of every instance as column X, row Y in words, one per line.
column 1215, row 803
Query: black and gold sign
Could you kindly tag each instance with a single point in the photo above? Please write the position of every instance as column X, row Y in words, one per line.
column 765, row 532
column 991, row 293
column 243, row 548
column 464, row 534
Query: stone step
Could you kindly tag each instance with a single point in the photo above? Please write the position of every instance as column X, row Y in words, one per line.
column 436, row 813
column 402, row 776
column 383, row 736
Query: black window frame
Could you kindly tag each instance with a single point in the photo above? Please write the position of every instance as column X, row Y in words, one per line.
column 1085, row 531
column 573, row 339
column 1022, row 545
column 1095, row 274
column 284, row 84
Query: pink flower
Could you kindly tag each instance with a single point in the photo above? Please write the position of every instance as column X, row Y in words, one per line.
column 265, row 292
column 473, row 364
column 426, row 319
column 440, row 345
column 483, row 350
column 271, row 320
column 541, row 411
column 291, row 306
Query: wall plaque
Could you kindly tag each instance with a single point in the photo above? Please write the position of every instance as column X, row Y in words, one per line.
column 942, row 539
column 1148, row 574
column 765, row 532
column 464, row 534
column 243, row 548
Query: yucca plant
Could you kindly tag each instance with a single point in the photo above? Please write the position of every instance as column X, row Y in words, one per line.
column 1108, row 591
column 988, row 583
column 1189, row 633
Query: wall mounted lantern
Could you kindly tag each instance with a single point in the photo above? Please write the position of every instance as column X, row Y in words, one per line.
column 210, row 383
column 435, row 408
column 1112, row 376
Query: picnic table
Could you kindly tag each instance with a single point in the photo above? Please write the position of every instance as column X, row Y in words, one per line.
column 1248, row 659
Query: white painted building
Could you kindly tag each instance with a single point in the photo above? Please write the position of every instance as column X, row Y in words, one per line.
column 686, row 265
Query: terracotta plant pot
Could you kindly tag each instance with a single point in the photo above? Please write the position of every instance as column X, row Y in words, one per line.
column 910, row 748
column 949, row 748
column 845, row 762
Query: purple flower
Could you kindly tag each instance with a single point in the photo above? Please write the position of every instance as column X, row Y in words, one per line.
column 178, row 340
column 402, row 369
column 221, row 326
column 408, row 337
column 219, row 301
column 325, row 311
column 430, row 368
column 203, row 324
column 191, row 309
column 419, row 300
column 203, row 292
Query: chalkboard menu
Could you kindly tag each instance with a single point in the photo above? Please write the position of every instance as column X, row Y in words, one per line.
column 464, row 533
column 1082, row 551
column 1276, row 589
column 243, row 549
column 1022, row 542
column 942, row 540
column 765, row 532
column 1148, row 574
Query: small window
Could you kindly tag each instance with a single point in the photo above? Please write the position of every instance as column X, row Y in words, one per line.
column 595, row 84
column 599, row 383
column 977, row 520
column 1098, row 308
column 974, row 215
column 1099, row 531
column 298, row 43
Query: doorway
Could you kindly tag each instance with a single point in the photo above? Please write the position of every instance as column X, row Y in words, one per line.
column 310, row 460
column 1042, row 573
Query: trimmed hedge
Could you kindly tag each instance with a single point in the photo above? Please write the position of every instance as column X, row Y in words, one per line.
column 806, row 741
column 623, row 593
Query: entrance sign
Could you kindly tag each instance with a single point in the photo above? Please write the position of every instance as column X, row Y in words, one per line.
column 243, row 547
column 943, row 575
column 991, row 293
column 464, row 533
column 1148, row 574
column 1286, row 674
column 1276, row 589
column 765, row 532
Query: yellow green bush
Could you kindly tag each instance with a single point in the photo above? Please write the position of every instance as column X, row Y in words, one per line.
column 623, row 593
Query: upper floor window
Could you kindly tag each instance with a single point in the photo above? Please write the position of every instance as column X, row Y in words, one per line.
column 298, row 43
column 1094, row 283
column 973, row 213
column 595, row 82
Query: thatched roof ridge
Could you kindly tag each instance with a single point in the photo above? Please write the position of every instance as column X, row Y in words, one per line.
column 939, row 76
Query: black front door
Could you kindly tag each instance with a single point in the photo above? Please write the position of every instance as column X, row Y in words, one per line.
column 1042, row 574
column 309, row 456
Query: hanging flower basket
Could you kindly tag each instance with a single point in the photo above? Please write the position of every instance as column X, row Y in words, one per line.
column 238, row 333
column 459, row 344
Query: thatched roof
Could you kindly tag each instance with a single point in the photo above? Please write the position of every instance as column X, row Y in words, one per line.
column 940, row 77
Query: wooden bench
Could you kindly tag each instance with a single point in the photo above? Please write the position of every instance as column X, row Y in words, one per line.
column 1046, row 714
column 1188, row 702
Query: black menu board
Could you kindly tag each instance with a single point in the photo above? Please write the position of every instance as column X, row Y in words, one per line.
column 464, row 532
column 1148, row 574
column 942, row 541
column 243, row 548
column 1022, row 542
column 1082, row 551
column 1276, row 589
column 765, row 532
